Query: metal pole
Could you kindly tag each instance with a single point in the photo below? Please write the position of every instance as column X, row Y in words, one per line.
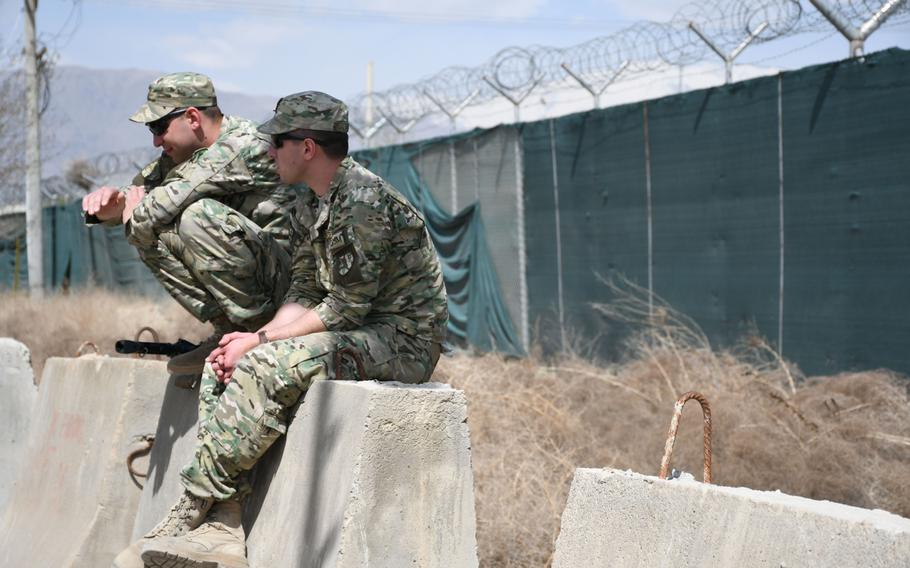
column 370, row 132
column 559, row 275
column 453, row 176
column 857, row 37
column 452, row 114
column 34, row 237
column 780, row 201
column 522, row 248
column 401, row 129
column 368, row 119
column 728, row 57
column 595, row 93
column 17, row 265
column 650, row 219
column 515, row 102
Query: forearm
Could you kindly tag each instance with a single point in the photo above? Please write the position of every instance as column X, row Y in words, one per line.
column 286, row 314
column 302, row 322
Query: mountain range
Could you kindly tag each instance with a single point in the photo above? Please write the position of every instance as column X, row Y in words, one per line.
column 89, row 111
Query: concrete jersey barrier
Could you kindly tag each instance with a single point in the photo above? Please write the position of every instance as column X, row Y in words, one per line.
column 616, row 518
column 75, row 502
column 369, row 475
column 17, row 383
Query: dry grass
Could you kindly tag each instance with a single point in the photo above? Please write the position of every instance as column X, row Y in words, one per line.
column 844, row 438
column 59, row 324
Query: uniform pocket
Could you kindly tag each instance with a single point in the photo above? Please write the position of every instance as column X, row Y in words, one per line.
column 245, row 441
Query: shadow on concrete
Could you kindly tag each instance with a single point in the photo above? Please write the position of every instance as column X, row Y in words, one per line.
column 318, row 542
column 179, row 412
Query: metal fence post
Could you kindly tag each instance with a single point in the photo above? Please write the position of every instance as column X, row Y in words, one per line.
column 857, row 37
column 596, row 94
column 728, row 57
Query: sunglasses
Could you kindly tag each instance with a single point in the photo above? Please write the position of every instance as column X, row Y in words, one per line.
column 160, row 126
column 278, row 139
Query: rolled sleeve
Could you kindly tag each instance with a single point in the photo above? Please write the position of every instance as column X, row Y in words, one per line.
column 215, row 172
column 303, row 289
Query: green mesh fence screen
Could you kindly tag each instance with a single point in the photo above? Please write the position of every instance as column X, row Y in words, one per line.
column 846, row 176
column 780, row 204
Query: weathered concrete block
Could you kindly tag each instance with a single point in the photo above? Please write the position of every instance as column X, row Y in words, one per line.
column 75, row 501
column 369, row 474
column 17, row 383
column 616, row 518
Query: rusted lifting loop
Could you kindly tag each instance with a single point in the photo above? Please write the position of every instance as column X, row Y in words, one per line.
column 141, row 448
column 79, row 352
column 674, row 426
column 154, row 338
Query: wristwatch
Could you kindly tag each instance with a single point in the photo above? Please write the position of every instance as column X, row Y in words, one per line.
column 263, row 338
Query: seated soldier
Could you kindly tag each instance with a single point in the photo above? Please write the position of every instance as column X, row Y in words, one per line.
column 210, row 217
column 366, row 301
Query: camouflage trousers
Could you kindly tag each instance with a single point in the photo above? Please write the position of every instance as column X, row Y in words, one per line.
column 216, row 262
column 238, row 423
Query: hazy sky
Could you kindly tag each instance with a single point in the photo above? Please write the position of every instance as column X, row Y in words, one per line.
column 276, row 47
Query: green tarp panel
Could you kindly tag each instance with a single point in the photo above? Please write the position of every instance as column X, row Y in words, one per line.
column 484, row 172
column 477, row 314
column 76, row 255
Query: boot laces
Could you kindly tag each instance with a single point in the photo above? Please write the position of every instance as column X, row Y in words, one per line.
column 182, row 517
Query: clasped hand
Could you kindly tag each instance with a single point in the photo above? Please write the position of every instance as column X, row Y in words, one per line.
column 230, row 349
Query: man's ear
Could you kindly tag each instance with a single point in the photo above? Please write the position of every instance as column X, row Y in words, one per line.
column 310, row 147
column 194, row 117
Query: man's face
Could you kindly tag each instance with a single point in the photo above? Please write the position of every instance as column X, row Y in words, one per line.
column 289, row 156
column 178, row 139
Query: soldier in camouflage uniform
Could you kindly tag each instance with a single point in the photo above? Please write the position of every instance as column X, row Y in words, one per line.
column 366, row 301
column 210, row 217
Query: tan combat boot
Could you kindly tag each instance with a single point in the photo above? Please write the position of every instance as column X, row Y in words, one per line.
column 193, row 362
column 218, row 543
column 187, row 514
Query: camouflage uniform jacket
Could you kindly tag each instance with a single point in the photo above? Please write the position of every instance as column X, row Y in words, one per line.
column 362, row 255
column 235, row 170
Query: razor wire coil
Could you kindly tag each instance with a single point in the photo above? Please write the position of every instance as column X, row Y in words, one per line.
column 642, row 47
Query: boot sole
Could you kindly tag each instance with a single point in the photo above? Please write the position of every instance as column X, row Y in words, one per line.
column 161, row 559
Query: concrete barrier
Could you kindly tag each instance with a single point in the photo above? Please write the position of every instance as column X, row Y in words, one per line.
column 17, row 383
column 615, row 518
column 369, row 474
column 75, row 502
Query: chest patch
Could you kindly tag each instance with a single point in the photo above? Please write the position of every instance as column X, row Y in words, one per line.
column 345, row 260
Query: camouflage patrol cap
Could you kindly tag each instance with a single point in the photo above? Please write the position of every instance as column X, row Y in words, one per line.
column 309, row 110
column 174, row 91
